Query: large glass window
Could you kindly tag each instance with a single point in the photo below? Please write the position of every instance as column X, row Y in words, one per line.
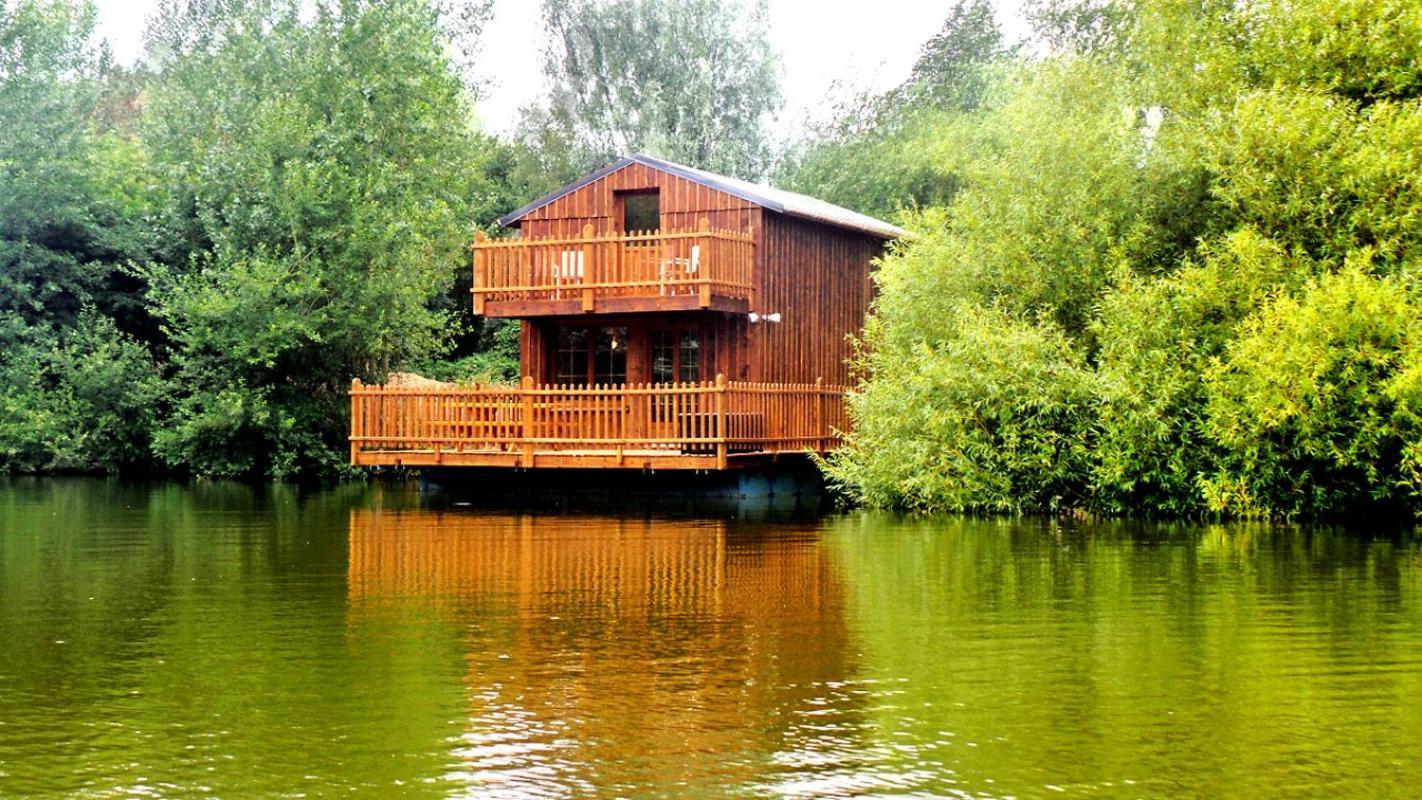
column 676, row 356
column 590, row 355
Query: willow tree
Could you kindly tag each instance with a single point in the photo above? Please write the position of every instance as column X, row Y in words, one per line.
column 693, row 81
column 870, row 155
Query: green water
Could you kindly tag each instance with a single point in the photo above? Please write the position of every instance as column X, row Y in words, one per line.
column 165, row 640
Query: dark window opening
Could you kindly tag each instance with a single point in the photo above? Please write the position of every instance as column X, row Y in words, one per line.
column 641, row 211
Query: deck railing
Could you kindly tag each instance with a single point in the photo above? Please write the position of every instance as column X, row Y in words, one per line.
column 719, row 420
column 595, row 266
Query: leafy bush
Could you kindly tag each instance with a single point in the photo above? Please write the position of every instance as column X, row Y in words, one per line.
column 1158, row 336
column 994, row 417
column 496, row 362
column 87, row 402
column 1314, row 403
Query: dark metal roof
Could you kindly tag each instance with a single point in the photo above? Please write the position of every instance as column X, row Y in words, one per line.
column 778, row 200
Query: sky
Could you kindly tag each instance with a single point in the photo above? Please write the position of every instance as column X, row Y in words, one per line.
column 822, row 43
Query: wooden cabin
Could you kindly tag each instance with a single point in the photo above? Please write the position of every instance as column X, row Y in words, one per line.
column 671, row 318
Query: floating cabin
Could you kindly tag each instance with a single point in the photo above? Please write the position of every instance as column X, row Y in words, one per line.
column 671, row 318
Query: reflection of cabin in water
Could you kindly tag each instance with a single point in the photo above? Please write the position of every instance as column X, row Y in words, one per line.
column 591, row 641
column 671, row 318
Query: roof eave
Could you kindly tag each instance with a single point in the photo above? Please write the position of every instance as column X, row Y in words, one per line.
column 523, row 211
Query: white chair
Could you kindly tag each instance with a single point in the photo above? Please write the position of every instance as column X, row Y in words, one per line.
column 568, row 270
column 674, row 269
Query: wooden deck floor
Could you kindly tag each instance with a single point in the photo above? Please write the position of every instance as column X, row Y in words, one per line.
column 572, row 459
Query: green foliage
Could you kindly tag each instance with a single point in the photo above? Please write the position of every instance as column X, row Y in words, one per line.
column 1084, row 26
column 87, row 402
column 1362, row 50
column 693, row 81
column 1314, row 403
column 497, row 360
column 1157, row 338
column 881, row 172
column 65, row 216
column 322, row 180
column 1317, row 173
column 953, row 69
column 1216, row 207
column 994, row 416
column 870, row 155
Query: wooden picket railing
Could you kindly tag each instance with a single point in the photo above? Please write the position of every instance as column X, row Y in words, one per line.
column 694, row 425
column 596, row 266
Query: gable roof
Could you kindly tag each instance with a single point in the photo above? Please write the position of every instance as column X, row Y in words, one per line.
column 778, row 200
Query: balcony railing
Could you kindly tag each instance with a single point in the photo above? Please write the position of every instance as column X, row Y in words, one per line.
column 618, row 271
column 691, row 425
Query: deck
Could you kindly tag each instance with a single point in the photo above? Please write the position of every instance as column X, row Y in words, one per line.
column 697, row 426
column 611, row 272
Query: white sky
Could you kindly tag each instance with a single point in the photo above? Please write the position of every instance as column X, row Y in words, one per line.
column 865, row 45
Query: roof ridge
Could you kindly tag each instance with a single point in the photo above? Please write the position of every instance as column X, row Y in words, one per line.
column 766, row 196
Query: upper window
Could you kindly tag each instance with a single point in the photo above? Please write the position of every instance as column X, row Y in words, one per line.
column 641, row 211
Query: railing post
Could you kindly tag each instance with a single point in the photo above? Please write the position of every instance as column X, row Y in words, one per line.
column 721, row 420
column 356, row 427
column 820, row 436
column 750, row 266
column 703, row 270
column 479, row 280
column 587, row 275
column 528, row 426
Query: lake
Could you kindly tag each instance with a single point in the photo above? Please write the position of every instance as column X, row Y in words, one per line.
column 216, row 639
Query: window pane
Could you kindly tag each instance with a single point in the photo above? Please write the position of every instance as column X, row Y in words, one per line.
column 690, row 356
column 610, row 355
column 663, row 357
column 570, row 363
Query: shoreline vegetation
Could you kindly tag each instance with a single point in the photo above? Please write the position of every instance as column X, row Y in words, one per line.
column 1164, row 262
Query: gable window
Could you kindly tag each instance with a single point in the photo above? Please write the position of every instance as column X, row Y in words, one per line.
column 641, row 211
column 590, row 355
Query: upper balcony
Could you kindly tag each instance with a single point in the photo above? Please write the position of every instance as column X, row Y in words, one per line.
column 614, row 272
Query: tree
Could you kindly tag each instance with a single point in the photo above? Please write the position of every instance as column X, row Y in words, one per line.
column 952, row 70
column 322, row 179
column 875, row 153
column 1211, row 208
column 65, row 220
column 693, row 81
column 79, row 393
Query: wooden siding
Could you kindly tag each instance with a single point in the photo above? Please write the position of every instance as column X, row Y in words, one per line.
column 816, row 277
column 683, row 204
